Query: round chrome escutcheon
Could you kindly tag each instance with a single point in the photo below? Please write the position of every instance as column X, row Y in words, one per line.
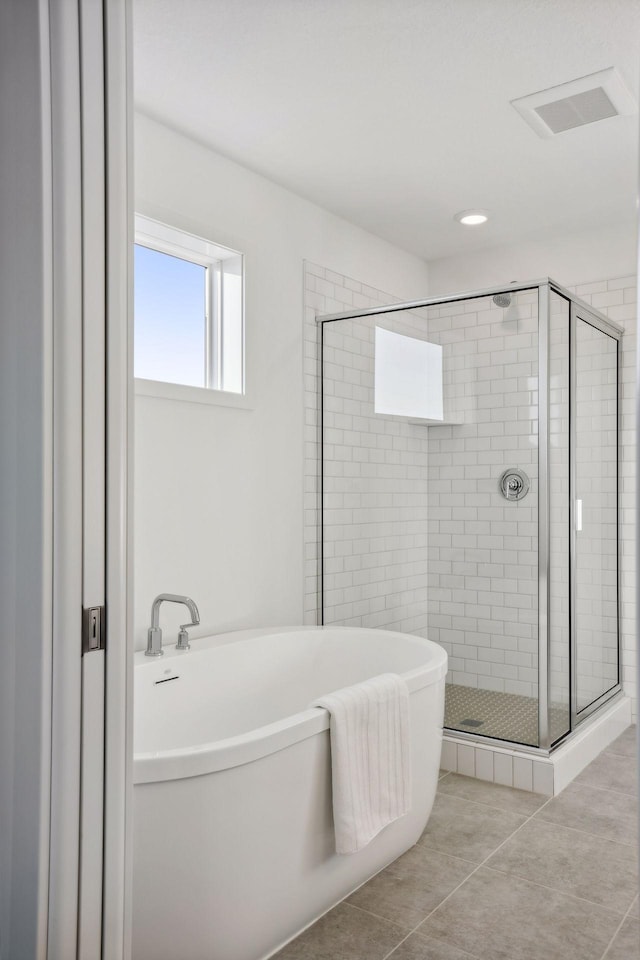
column 514, row 484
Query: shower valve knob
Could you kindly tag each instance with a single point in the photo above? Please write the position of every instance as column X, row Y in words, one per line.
column 514, row 484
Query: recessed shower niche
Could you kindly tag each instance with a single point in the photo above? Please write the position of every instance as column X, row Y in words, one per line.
column 490, row 526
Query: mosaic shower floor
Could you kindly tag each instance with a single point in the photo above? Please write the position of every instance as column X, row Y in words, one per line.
column 504, row 716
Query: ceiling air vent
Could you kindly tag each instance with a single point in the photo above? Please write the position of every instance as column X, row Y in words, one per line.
column 597, row 96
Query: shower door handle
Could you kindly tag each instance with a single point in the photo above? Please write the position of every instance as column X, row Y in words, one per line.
column 578, row 516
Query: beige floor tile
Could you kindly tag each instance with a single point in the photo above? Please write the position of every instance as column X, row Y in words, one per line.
column 467, row 830
column 611, row 772
column 412, row 886
column 491, row 794
column 345, row 933
column 625, row 745
column 558, row 892
column 626, row 945
column 417, row 947
column 601, row 812
column 503, row 918
column 571, row 862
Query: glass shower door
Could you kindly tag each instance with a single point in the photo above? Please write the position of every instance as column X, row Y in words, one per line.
column 595, row 512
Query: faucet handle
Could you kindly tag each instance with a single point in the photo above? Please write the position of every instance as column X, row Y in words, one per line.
column 183, row 636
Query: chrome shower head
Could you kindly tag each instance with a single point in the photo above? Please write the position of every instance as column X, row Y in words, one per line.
column 502, row 299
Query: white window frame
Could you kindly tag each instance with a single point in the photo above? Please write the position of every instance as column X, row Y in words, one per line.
column 187, row 246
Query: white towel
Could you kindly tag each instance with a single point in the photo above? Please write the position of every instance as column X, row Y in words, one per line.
column 370, row 758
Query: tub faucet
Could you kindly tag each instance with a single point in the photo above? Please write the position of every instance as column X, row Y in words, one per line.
column 154, row 635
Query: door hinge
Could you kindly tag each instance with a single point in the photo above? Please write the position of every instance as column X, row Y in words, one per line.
column 93, row 631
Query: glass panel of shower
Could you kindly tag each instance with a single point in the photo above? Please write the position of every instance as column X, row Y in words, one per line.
column 596, row 519
column 452, row 518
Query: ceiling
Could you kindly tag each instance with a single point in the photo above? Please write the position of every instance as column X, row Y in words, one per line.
column 395, row 114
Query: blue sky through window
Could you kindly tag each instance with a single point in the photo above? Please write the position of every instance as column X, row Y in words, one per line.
column 169, row 318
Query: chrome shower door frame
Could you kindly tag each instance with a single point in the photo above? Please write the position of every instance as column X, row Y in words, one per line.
column 577, row 310
column 544, row 530
column 581, row 312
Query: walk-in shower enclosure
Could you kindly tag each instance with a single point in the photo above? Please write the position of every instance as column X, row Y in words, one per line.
column 469, row 494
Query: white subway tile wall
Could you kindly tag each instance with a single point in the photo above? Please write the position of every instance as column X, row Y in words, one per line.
column 348, row 581
column 418, row 537
column 375, row 489
column 483, row 549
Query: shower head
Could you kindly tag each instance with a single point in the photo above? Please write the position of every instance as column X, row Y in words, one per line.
column 502, row 299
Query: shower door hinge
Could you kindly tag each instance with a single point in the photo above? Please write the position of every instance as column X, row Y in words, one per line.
column 93, row 631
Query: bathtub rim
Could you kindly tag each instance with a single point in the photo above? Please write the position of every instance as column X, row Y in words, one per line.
column 225, row 754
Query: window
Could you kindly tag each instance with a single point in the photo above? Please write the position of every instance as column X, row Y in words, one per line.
column 188, row 309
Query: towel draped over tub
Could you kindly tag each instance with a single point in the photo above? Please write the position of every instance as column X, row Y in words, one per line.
column 370, row 758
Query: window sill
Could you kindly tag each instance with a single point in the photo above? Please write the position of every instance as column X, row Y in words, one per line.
column 177, row 391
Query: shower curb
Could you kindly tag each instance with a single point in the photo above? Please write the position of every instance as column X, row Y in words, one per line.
column 527, row 770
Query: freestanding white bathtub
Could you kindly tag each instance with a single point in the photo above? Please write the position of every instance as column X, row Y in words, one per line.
column 233, row 834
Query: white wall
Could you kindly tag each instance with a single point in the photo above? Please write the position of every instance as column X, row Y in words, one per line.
column 569, row 259
column 218, row 490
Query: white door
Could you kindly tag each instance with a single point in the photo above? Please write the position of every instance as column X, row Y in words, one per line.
column 64, row 745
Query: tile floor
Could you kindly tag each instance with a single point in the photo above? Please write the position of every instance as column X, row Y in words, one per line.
column 500, row 874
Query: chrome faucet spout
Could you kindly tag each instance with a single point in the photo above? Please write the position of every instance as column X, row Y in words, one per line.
column 154, row 635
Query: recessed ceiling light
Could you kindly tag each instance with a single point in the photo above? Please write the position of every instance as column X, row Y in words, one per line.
column 471, row 218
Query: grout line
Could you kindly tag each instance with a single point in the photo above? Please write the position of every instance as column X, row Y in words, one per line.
column 483, row 803
column 588, row 833
column 465, row 953
column 618, row 929
column 620, row 793
column 563, row 893
column 369, row 913
column 461, row 884
column 449, row 856
column 379, row 916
